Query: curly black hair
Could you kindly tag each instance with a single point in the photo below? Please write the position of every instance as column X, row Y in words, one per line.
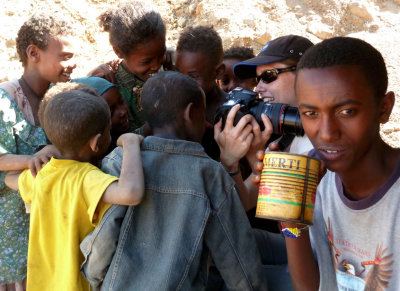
column 349, row 51
column 202, row 39
column 239, row 52
column 38, row 30
column 130, row 24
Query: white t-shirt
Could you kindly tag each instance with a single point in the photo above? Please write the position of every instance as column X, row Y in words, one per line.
column 357, row 243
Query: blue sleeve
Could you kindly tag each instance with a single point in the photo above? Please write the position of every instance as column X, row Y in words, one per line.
column 99, row 246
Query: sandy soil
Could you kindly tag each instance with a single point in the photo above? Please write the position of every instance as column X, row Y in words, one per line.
column 238, row 22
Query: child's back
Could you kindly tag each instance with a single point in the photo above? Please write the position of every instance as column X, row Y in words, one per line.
column 191, row 208
column 69, row 195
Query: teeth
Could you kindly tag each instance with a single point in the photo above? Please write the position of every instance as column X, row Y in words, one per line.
column 268, row 99
column 331, row 152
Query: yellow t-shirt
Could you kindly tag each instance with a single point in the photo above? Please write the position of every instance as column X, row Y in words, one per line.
column 66, row 206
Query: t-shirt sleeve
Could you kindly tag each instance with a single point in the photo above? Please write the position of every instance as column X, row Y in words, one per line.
column 25, row 185
column 95, row 184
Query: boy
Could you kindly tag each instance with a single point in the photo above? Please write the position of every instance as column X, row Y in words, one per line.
column 227, row 80
column 199, row 54
column 69, row 195
column 191, row 208
column 356, row 220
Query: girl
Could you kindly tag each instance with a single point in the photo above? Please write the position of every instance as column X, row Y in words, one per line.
column 46, row 53
column 137, row 35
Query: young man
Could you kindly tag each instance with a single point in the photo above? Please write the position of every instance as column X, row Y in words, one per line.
column 356, row 220
column 191, row 210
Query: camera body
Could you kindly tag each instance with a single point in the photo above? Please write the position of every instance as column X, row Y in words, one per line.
column 285, row 119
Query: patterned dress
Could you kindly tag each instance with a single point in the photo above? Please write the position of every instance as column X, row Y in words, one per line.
column 130, row 87
column 17, row 136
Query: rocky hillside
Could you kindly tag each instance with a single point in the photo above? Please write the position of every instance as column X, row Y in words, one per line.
column 239, row 22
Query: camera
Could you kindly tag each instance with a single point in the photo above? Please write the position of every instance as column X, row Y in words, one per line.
column 285, row 119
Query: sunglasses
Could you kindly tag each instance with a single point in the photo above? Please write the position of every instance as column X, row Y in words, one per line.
column 271, row 75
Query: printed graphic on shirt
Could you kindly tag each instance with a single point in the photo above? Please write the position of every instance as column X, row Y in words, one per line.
column 355, row 275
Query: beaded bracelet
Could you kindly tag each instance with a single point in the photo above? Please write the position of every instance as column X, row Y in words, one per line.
column 293, row 232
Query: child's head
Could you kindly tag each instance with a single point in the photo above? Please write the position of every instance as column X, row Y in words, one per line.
column 199, row 53
column 46, row 42
column 137, row 35
column 227, row 79
column 171, row 99
column 341, row 88
column 76, row 121
column 110, row 93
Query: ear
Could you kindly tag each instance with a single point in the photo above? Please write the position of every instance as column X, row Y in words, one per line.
column 188, row 113
column 33, row 53
column 94, row 142
column 118, row 52
column 386, row 107
column 220, row 71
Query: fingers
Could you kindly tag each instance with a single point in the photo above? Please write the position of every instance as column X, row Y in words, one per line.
column 217, row 129
column 268, row 129
column 255, row 179
column 231, row 116
column 273, row 146
column 260, row 155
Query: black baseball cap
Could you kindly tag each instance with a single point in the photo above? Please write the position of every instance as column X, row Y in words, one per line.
column 277, row 50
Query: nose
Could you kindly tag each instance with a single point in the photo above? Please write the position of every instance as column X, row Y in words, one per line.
column 258, row 88
column 121, row 110
column 232, row 85
column 156, row 63
column 71, row 64
column 329, row 129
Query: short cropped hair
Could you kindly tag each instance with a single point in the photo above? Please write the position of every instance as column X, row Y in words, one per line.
column 62, row 87
column 130, row 24
column 38, row 30
column 166, row 94
column 348, row 51
column 72, row 117
column 202, row 39
column 239, row 52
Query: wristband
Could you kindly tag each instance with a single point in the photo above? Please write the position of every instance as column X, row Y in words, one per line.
column 293, row 232
column 231, row 173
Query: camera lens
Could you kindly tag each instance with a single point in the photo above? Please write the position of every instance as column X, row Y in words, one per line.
column 284, row 118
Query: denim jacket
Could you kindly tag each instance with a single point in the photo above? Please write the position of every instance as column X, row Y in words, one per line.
column 191, row 211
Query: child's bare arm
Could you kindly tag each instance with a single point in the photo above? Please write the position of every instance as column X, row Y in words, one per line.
column 130, row 186
column 12, row 162
column 11, row 179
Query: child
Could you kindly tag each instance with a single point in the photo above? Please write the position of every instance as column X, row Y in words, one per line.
column 137, row 35
column 45, row 48
column 227, row 80
column 199, row 54
column 69, row 195
column 191, row 209
column 118, row 107
column 356, row 220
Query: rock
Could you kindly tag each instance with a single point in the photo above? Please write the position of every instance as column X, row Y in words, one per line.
column 359, row 9
column 320, row 30
column 263, row 38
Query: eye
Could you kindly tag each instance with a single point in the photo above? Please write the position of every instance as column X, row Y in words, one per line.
column 347, row 112
column 309, row 113
column 225, row 81
column 196, row 77
column 67, row 57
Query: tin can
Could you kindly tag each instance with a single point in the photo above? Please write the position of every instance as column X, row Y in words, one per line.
column 288, row 187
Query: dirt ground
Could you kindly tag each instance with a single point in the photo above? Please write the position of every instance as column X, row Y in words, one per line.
column 238, row 22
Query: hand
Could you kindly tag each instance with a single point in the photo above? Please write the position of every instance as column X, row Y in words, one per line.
column 257, row 168
column 129, row 138
column 42, row 157
column 260, row 138
column 107, row 70
column 234, row 141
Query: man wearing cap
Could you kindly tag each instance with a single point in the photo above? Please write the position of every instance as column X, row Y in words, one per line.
column 275, row 70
